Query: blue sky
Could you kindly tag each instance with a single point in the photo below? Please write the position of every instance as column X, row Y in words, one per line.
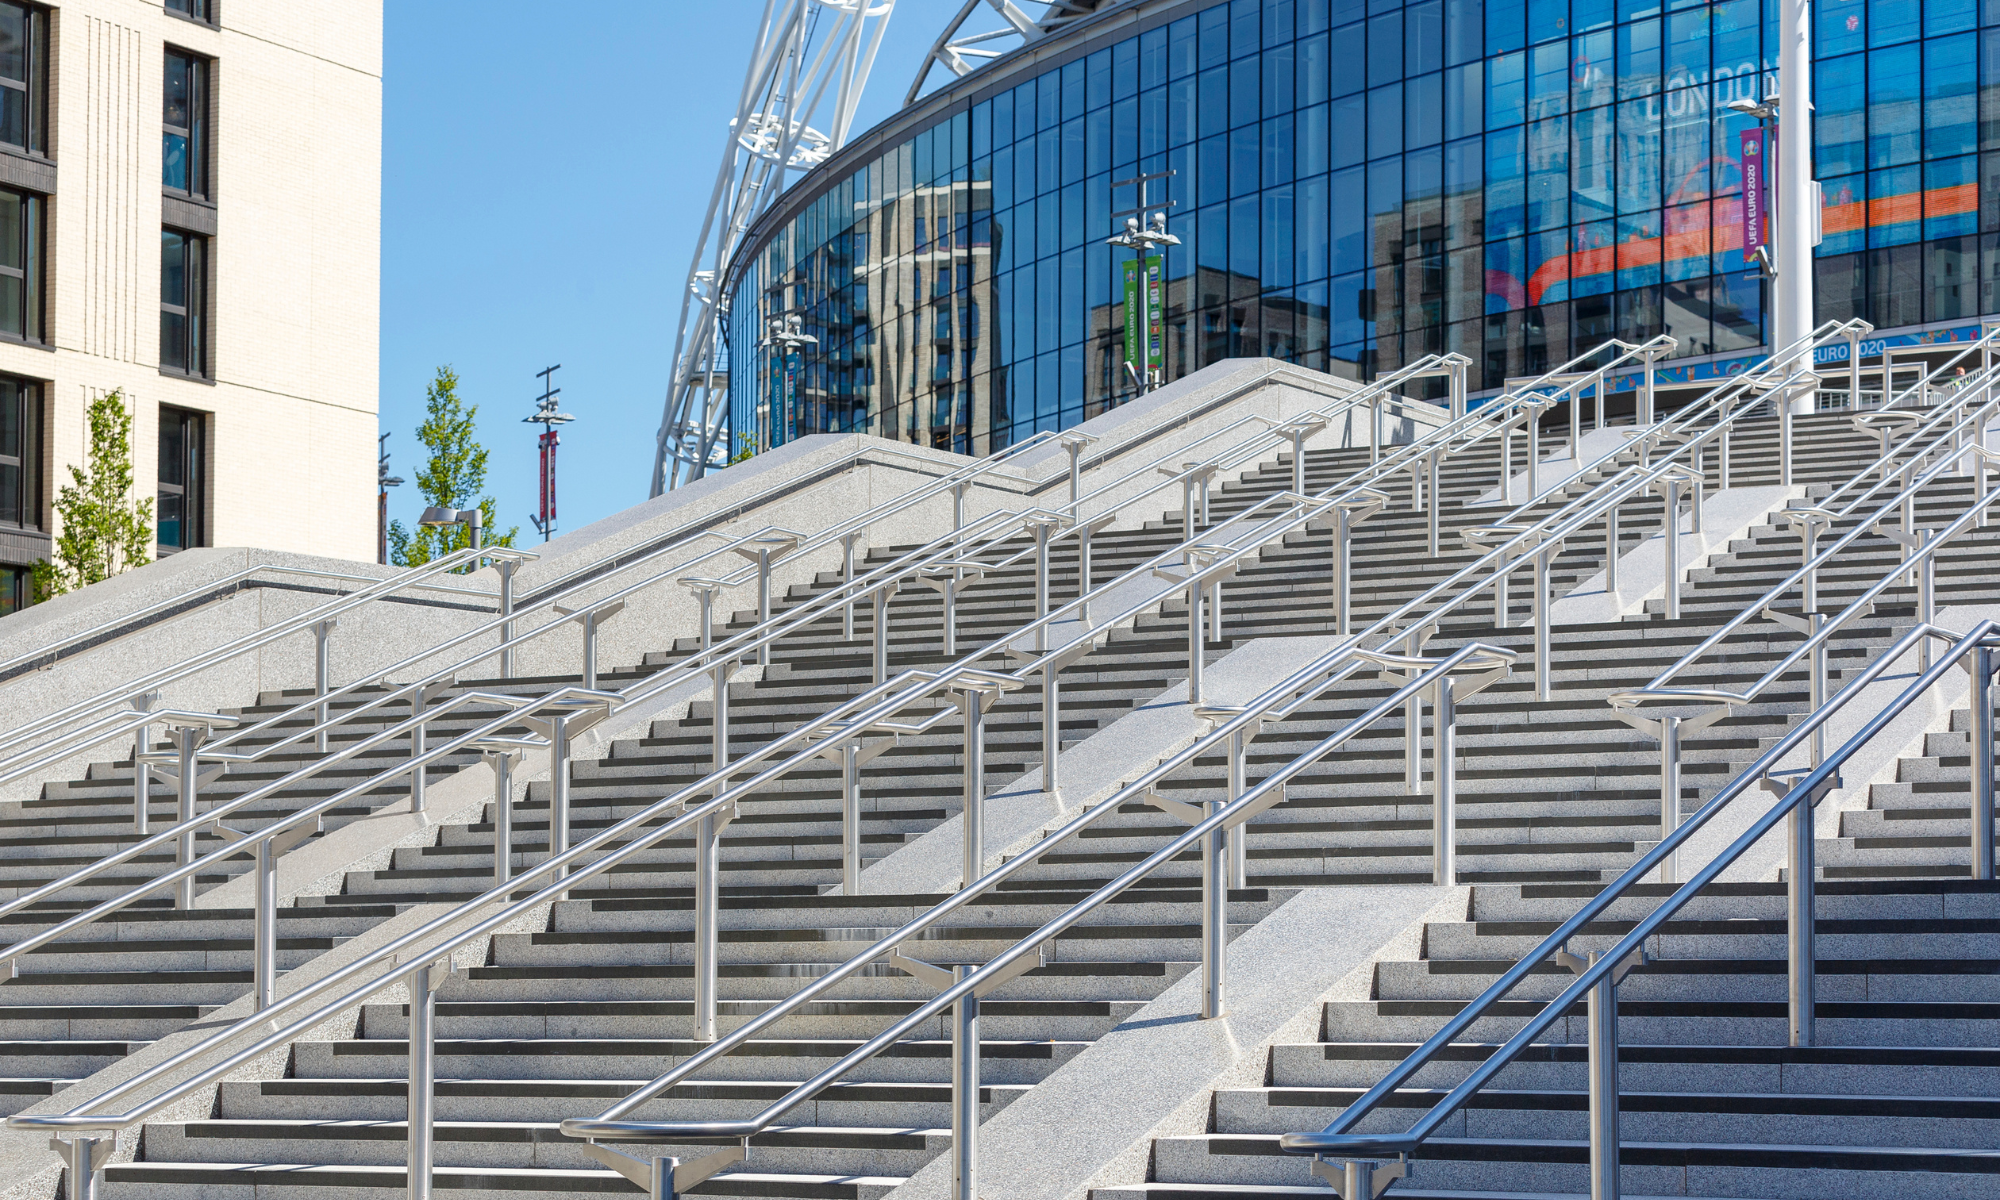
column 543, row 181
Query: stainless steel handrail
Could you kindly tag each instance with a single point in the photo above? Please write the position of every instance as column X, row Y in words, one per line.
column 1357, row 1159
column 727, row 794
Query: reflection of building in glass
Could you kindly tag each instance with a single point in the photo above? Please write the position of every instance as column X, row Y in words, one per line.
column 1355, row 185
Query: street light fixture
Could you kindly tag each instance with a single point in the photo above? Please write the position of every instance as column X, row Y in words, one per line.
column 383, row 482
column 1143, row 240
column 1766, row 113
column 439, row 518
column 788, row 333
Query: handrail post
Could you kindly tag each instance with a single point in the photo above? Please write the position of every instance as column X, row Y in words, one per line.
column 1981, row 746
column 1076, row 443
column 1784, row 440
column 187, row 740
column 507, row 567
column 1343, row 569
column 1671, row 488
column 502, row 761
column 1083, row 570
column 1434, row 464
column 1611, row 549
column 1298, row 435
column 1214, row 918
column 850, row 819
column 847, row 541
column 1051, row 730
column 881, row 631
column 974, row 697
column 1853, row 370
column 965, row 1090
column 1534, row 412
column 707, row 868
column 84, row 1158
column 1042, row 529
column 423, row 1078
column 1646, row 393
column 1444, row 798
column 559, row 789
column 1670, row 794
column 264, row 941
column 1799, row 922
column 763, row 600
column 1375, row 429
column 1455, row 383
column 1413, row 732
column 1601, row 1013
column 1926, row 595
column 704, row 593
column 142, row 771
column 1544, row 670
column 1195, row 644
column 322, row 681
column 958, row 491
column 1238, row 840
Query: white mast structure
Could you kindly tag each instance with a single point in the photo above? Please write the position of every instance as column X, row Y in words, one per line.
column 795, row 66
column 810, row 61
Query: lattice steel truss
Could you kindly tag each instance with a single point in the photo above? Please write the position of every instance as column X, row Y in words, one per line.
column 810, row 62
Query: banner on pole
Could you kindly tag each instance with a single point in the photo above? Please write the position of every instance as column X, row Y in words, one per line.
column 1756, row 176
column 1154, row 338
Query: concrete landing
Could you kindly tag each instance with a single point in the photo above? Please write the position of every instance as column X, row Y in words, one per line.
column 1091, row 1124
column 1642, row 571
column 1559, row 467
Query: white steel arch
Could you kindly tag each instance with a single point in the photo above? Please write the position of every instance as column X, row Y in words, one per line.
column 794, row 67
column 809, row 62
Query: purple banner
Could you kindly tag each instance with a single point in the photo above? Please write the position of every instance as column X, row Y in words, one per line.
column 1754, row 177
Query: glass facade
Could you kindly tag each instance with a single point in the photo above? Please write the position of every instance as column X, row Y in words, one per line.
column 1358, row 183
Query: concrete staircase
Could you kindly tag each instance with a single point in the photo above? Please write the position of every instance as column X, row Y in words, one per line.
column 563, row 1020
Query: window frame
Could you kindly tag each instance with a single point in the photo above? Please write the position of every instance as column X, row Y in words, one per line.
column 192, row 490
column 201, row 12
column 33, row 270
column 28, row 462
column 199, row 133
column 196, row 355
column 35, row 88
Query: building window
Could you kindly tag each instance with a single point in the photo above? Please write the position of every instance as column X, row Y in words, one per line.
column 24, row 47
column 16, row 589
column 184, row 125
column 21, row 265
column 20, row 454
column 183, row 481
column 183, row 302
column 194, row 10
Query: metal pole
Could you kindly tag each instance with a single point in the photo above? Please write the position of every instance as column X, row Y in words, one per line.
column 322, row 682
column 850, row 819
column 965, row 1088
column 1926, row 597
column 1195, row 646
column 423, row 1079
column 590, row 650
column 1534, row 455
column 1501, row 601
column 265, row 945
column 882, row 632
column 1041, row 583
column 142, row 772
column 1051, row 727
column 1434, row 459
column 1214, row 919
column 1981, row 747
column 1647, row 395
column 707, row 867
column 188, row 738
column 559, row 789
column 502, row 763
column 1601, row 1011
column 418, row 700
column 1611, row 551
column 1343, row 570
column 1544, row 670
column 506, row 569
column 972, row 858
column 1670, row 793
column 1299, row 461
column 1673, row 549
column 763, row 600
column 846, row 577
column 1238, row 842
column 1413, row 747
column 85, row 1157
column 1083, row 573
column 1784, row 442
column 1444, row 798
column 1799, row 923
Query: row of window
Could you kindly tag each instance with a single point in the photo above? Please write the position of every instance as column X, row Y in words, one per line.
column 186, row 172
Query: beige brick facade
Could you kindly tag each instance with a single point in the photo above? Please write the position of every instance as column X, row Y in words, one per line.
column 294, row 267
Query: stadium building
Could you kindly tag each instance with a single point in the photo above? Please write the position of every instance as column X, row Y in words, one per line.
column 1355, row 184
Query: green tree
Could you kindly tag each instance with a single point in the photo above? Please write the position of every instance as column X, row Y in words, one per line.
column 103, row 530
column 454, row 475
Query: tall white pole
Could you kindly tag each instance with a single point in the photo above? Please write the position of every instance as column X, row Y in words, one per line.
column 1796, row 196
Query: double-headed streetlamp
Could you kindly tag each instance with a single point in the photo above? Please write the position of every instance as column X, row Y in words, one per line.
column 788, row 334
column 1144, row 241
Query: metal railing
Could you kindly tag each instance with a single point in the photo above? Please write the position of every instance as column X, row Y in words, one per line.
column 706, row 804
column 1358, row 1165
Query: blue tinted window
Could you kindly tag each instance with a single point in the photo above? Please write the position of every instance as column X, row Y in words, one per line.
column 1385, row 120
column 1949, row 113
column 1507, row 90
column 1894, row 128
column 1840, row 26
column 1840, row 124
column 1464, row 94
column 1892, row 21
column 1385, row 48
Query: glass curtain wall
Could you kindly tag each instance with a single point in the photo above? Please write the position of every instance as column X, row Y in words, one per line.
column 1357, row 183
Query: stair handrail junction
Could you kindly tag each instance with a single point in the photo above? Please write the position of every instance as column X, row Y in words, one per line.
column 1353, row 1162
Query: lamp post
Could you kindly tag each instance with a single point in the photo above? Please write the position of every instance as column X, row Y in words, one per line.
column 1766, row 112
column 548, row 418
column 1143, row 240
column 788, row 334
column 1794, row 208
column 383, row 482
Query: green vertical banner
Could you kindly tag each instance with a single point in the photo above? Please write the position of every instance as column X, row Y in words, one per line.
column 1154, row 337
